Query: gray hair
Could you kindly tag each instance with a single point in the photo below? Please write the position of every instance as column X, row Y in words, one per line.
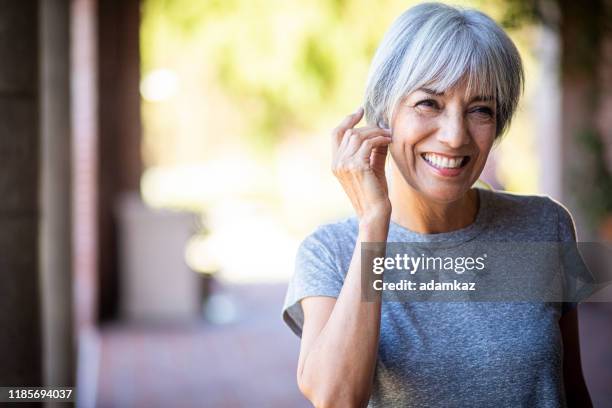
column 436, row 46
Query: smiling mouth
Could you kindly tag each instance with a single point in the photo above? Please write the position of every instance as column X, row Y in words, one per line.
column 445, row 162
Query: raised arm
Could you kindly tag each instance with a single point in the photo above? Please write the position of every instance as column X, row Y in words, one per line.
column 340, row 336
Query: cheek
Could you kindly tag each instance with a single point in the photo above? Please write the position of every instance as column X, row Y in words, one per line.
column 410, row 128
column 483, row 136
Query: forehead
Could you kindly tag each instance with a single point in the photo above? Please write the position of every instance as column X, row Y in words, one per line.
column 462, row 91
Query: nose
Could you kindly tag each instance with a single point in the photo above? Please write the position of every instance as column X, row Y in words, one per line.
column 453, row 130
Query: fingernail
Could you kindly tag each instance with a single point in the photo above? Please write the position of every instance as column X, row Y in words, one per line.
column 358, row 109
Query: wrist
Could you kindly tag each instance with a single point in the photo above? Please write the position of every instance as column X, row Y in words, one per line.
column 374, row 226
column 380, row 213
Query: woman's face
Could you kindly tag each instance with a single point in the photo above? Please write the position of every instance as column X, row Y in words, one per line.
column 441, row 141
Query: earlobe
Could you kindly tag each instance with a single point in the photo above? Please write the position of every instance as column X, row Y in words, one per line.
column 383, row 121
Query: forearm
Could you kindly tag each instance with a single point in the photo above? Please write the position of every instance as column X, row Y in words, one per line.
column 341, row 361
column 577, row 393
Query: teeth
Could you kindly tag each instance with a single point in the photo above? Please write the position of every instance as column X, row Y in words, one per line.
column 443, row 161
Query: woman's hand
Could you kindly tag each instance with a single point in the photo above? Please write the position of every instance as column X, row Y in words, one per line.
column 359, row 164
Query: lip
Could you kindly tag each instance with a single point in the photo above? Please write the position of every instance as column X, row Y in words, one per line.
column 444, row 172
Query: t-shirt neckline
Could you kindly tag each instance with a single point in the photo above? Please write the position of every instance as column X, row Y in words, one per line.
column 460, row 235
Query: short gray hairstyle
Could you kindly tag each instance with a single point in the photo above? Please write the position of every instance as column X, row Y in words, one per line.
column 436, row 46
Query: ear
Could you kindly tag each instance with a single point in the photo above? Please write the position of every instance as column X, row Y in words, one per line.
column 383, row 123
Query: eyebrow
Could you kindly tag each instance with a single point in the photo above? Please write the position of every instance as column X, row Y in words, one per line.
column 486, row 98
column 431, row 91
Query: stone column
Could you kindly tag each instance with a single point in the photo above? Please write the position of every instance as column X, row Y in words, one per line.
column 55, row 204
column 120, row 163
column 20, row 338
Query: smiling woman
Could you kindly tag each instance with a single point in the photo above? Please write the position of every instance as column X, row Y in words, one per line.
column 442, row 88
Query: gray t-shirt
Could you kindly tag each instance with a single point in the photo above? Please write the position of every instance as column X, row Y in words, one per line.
column 459, row 354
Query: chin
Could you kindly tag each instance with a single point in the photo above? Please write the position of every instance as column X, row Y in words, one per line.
column 444, row 193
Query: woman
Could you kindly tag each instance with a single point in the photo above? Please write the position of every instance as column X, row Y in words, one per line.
column 442, row 89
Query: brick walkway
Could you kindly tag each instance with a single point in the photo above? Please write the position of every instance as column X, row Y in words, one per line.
column 248, row 363
column 251, row 362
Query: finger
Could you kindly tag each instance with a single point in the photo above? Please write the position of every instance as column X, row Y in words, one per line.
column 348, row 122
column 358, row 135
column 368, row 146
column 353, row 119
column 355, row 137
column 379, row 156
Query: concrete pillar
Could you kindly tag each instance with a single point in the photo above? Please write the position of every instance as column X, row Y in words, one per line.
column 55, row 211
column 20, row 338
column 85, row 173
column 548, row 118
column 120, row 133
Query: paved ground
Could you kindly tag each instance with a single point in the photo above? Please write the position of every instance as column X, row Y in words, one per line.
column 247, row 363
column 251, row 362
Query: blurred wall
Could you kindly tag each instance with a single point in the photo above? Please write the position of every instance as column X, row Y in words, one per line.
column 586, row 83
column 20, row 340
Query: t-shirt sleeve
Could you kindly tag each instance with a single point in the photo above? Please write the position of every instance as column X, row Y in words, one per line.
column 572, row 263
column 316, row 273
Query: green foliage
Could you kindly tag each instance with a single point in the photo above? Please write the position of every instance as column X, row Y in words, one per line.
column 284, row 65
column 518, row 13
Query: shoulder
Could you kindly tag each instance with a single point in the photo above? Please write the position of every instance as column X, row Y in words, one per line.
column 544, row 217
column 524, row 203
column 333, row 235
column 331, row 244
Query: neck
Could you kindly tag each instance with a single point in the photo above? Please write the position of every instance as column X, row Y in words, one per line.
column 414, row 211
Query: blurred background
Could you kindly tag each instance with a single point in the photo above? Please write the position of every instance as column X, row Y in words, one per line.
column 161, row 160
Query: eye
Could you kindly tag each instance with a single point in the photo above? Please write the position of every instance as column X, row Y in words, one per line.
column 483, row 111
column 427, row 103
